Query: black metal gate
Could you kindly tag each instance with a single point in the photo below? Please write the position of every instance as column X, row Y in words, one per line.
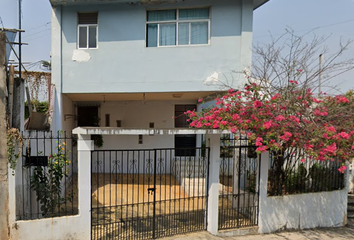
column 239, row 179
column 146, row 194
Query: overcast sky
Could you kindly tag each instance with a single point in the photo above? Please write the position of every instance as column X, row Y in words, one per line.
column 332, row 18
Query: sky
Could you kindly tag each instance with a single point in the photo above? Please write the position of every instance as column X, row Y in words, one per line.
column 332, row 18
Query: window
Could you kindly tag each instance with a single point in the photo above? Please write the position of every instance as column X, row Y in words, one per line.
column 87, row 116
column 179, row 27
column 87, row 30
column 185, row 143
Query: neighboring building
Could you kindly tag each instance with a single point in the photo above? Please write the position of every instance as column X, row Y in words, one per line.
column 138, row 63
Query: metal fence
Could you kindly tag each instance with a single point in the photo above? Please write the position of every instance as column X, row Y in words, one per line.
column 147, row 194
column 239, row 178
column 46, row 176
column 292, row 173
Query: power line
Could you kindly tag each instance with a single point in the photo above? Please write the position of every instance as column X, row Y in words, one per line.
column 311, row 29
column 34, row 28
column 26, row 36
column 36, row 37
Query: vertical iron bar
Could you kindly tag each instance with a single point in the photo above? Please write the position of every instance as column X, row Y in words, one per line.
column 154, row 206
column 121, row 192
column 238, row 187
column 206, row 194
column 259, row 180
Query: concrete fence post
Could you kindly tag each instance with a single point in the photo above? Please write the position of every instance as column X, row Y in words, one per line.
column 84, row 147
column 263, row 189
column 213, row 186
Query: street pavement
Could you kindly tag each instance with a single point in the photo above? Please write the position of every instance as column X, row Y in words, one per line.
column 312, row 234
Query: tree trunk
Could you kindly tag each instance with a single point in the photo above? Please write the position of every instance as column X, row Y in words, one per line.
column 277, row 175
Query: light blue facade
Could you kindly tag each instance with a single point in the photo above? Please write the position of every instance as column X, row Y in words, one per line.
column 122, row 70
column 123, row 64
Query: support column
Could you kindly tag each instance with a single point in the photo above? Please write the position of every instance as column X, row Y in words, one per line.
column 213, row 186
column 263, row 189
column 84, row 147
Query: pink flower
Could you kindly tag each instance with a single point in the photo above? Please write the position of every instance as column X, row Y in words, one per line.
column 295, row 119
column 259, row 141
column 302, row 160
column 330, row 129
column 286, row 136
column 275, row 96
column 294, row 82
column 317, row 112
column 200, row 100
column 342, row 169
column 331, row 148
column 316, row 100
column 342, row 99
column 344, row 135
column 262, row 149
column 280, row 118
column 224, row 123
column 257, row 104
column 267, row 124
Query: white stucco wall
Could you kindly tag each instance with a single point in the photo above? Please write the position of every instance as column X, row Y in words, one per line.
column 136, row 114
column 61, row 228
column 300, row 211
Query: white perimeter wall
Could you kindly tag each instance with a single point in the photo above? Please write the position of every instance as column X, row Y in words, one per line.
column 61, row 228
column 300, row 211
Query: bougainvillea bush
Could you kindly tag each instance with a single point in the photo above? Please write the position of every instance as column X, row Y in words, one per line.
column 290, row 123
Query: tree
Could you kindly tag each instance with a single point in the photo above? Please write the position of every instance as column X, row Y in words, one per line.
column 280, row 112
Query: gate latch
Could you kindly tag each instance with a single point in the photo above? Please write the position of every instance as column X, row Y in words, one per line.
column 151, row 191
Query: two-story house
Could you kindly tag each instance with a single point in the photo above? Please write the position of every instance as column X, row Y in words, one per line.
column 143, row 63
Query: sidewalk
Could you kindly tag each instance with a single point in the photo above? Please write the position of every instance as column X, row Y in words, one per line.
column 314, row 234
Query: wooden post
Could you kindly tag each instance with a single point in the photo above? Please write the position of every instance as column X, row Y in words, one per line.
column 4, row 184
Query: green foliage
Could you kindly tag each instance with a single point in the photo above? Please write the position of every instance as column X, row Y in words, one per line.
column 251, row 182
column 98, row 140
column 14, row 147
column 41, row 107
column 317, row 178
column 46, row 181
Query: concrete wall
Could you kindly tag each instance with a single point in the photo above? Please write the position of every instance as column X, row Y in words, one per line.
column 123, row 63
column 4, row 184
column 300, row 211
column 70, row 227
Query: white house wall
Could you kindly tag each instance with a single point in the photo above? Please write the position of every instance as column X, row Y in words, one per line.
column 136, row 114
column 122, row 63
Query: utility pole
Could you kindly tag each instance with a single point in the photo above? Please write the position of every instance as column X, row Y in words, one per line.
column 4, row 184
